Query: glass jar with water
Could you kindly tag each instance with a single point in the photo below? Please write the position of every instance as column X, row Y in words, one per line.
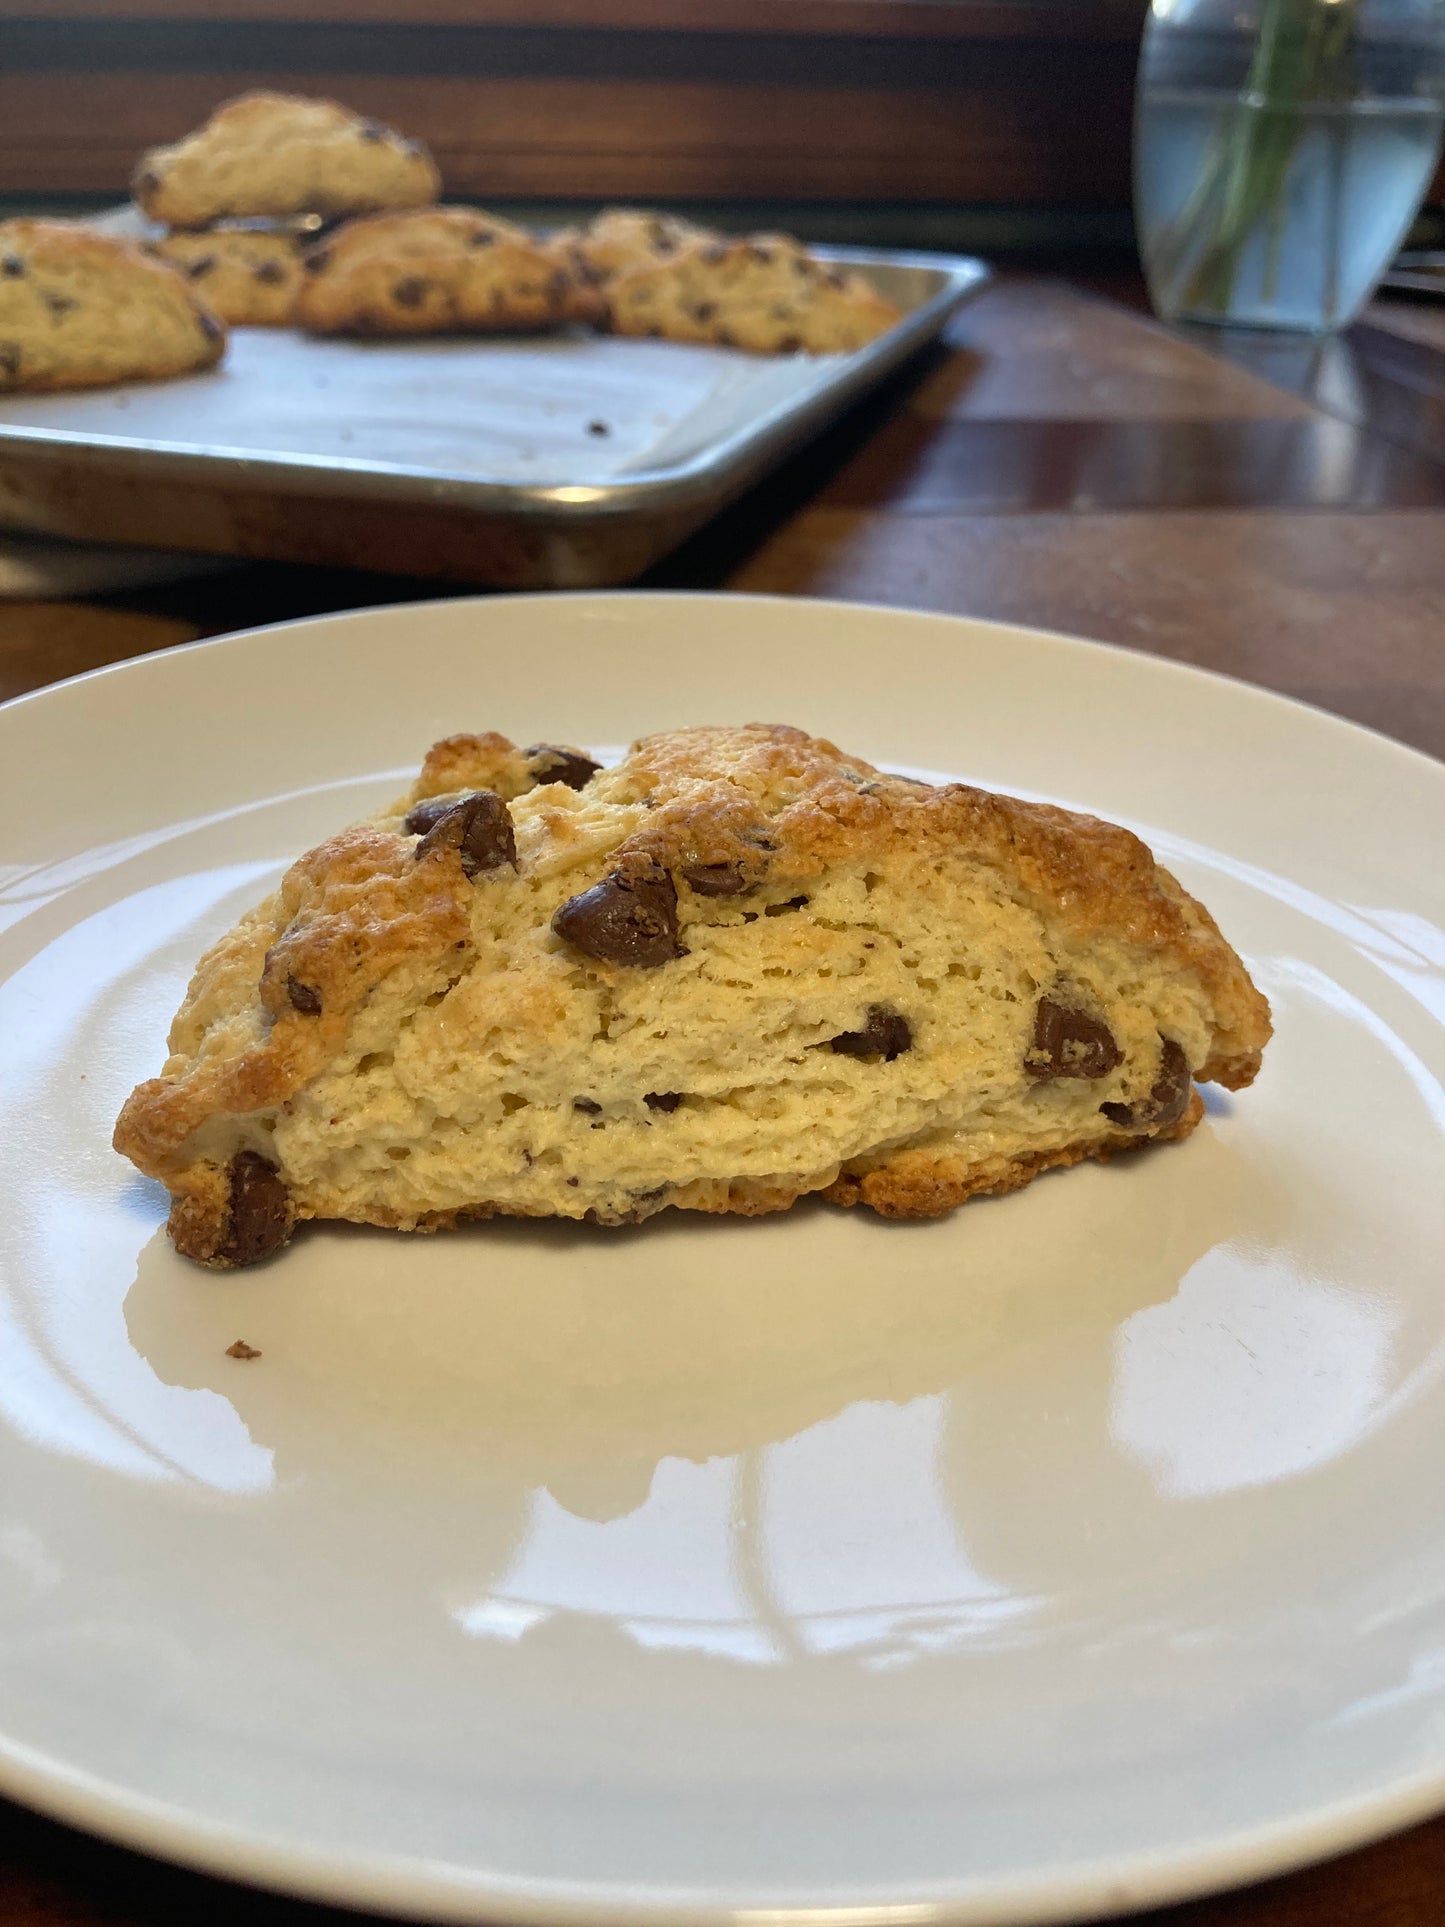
column 1281, row 151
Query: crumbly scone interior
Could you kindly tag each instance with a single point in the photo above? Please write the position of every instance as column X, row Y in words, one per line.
column 490, row 1065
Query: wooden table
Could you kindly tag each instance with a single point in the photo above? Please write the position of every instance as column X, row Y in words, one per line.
column 1267, row 507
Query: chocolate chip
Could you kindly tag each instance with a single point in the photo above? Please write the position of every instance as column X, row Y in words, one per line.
column 725, row 338
column 423, row 816
column 10, row 359
column 662, row 1100
column 373, row 130
column 210, row 327
column 198, row 270
column 716, row 879
column 559, row 285
column 551, row 764
column 1070, row 1043
column 628, row 918
column 885, row 1035
column 588, row 1105
column 703, row 310
column 409, row 293
column 11, row 266
column 60, row 304
column 260, row 1211
column 482, row 238
column 790, row 345
column 315, row 259
column 598, row 428
column 148, row 181
column 759, row 251
column 271, row 272
column 479, row 829
column 714, row 252
column 1168, row 1095
column 304, row 997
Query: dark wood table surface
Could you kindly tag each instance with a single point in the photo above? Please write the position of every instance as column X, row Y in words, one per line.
column 1270, row 507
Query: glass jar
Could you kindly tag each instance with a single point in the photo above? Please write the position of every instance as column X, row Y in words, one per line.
column 1281, row 150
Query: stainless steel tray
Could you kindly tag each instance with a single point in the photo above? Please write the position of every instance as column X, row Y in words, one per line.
column 564, row 461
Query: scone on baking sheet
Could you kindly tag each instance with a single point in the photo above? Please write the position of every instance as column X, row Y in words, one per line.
column 247, row 275
column 736, row 968
column 82, row 310
column 435, row 271
column 767, row 294
column 277, row 155
column 621, row 239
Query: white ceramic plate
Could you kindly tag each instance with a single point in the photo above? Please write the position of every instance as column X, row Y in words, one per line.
column 1081, row 1551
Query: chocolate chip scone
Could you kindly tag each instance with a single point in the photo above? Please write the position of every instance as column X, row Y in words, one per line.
column 622, row 239
column 80, row 310
column 736, row 968
column 276, row 155
column 247, row 275
column 435, row 271
column 766, row 294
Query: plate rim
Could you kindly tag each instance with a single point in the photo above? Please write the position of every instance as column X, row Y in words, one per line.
column 418, row 1887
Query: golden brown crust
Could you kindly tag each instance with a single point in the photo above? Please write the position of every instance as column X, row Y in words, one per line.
column 924, row 1184
column 435, row 270
column 81, row 309
column 764, row 293
column 275, row 155
column 745, row 824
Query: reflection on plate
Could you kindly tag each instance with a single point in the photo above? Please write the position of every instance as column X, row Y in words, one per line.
column 1080, row 1550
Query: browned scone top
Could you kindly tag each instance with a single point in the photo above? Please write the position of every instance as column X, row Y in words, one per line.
column 436, row 269
column 738, row 966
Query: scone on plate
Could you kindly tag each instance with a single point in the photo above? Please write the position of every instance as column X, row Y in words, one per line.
column 621, row 239
column 277, row 155
column 247, row 275
column 736, row 968
column 80, row 310
column 434, row 271
column 767, row 294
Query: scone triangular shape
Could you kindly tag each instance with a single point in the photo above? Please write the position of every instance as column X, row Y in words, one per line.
column 80, row 309
column 436, row 270
column 766, row 294
column 277, row 155
column 738, row 967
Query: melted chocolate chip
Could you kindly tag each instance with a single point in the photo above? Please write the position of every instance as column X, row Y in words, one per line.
column 60, row 304
column 315, row 260
column 260, row 1211
column 482, row 238
column 551, row 764
column 625, row 919
column 409, row 293
column 716, row 879
column 271, row 272
column 304, row 997
column 198, row 270
column 663, row 1100
column 587, row 1105
column 1070, row 1043
column 885, row 1035
column 424, row 815
column 1168, row 1096
column 703, row 310
column 11, row 266
column 479, row 829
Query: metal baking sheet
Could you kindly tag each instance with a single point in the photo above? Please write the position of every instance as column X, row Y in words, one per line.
column 554, row 461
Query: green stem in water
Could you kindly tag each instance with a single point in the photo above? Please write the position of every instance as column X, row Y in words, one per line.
column 1303, row 55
